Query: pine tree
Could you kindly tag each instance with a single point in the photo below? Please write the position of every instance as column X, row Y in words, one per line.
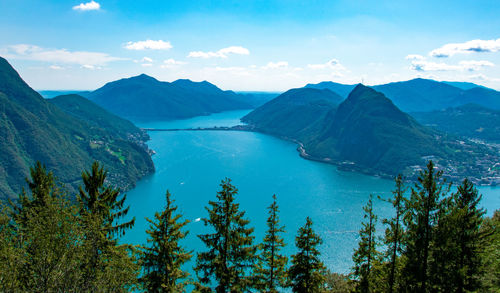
column 42, row 187
column 458, row 237
column 306, row 273
column 230, row 256
column 421, row 217
column 271, row 266
column 46, row 237
column 100, row 208
column 10, row 255
column 366, row 254
column 163, row 259
column 490, row 264
column 394, row 233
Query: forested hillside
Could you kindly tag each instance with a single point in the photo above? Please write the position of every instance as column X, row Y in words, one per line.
column 33, row 129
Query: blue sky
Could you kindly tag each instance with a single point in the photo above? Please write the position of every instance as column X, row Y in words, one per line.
column 250, row 45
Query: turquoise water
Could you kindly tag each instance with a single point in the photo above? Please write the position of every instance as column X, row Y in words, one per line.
column 191, row 165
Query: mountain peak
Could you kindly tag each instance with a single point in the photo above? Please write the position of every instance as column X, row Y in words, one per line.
column 363, row 91
column 143, row 77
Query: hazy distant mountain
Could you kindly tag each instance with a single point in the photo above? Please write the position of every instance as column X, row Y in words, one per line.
column 470, row 120
column 258, row 98
column 293, row 111
column 463, row 85
column 145, row 98
column 418, row 95
column 341, row 89
column 482, row 96
column 31, row 129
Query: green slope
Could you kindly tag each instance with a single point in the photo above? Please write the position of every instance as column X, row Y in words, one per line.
column 98, row 118
column 470, row 120
column 33, row 129
column 143, row 98
column 370, row 131
column 293, row 112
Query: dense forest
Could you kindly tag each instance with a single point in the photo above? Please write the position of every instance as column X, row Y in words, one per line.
column 435, row 241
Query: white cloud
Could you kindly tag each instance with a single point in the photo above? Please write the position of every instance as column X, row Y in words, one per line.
column 91, row 67
column 483, row 77
column 234, row 70
column 473, row 65
column 333, row 64
column 92, row 5
column 35, row 53
column 147, row 59
column 469, row 65
column 276, row 65
column 148, row 45
column 146, row 64
column 222, row 53
column 171, row 63
column 56, row 67
column 467, row 47
column 414, row 57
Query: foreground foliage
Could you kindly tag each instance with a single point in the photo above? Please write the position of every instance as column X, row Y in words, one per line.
column 434, row 242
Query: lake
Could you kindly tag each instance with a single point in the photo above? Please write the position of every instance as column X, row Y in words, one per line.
column 191, row 164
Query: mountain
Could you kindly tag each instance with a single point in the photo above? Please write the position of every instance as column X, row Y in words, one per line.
column 292, row 112
column 341, row 89
column 471, row 120
column 258, row 98
column 482, row 96
column 421, row 95
column 462, row 85
column 143, row 98
column 33, row 129
column 368, row 133
column 98, row 118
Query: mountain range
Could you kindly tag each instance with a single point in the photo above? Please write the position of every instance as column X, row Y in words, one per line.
column 144, row 98
column 66, row 134
column 422, row 95
column 365, row 132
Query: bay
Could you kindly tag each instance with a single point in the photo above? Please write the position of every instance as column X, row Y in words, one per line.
column 191, row 164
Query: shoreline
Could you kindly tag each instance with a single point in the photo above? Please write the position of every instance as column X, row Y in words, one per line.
column 341, row 165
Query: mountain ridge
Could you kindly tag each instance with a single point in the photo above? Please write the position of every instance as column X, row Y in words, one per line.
column 144, row 98
column 368, row 133
column 33, row 129
column 423, row 95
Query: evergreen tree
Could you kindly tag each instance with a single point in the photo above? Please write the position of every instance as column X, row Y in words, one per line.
column 457, row 246
column 163, row 259
column 10, row 252
column 46, row 237
column 230, row 256
column 394, row 234
column 42, row 187
column 421, row 218
column 100, row 209
column 271, row 266
column 306, row 273
column 490, row 268
column 366, row 254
